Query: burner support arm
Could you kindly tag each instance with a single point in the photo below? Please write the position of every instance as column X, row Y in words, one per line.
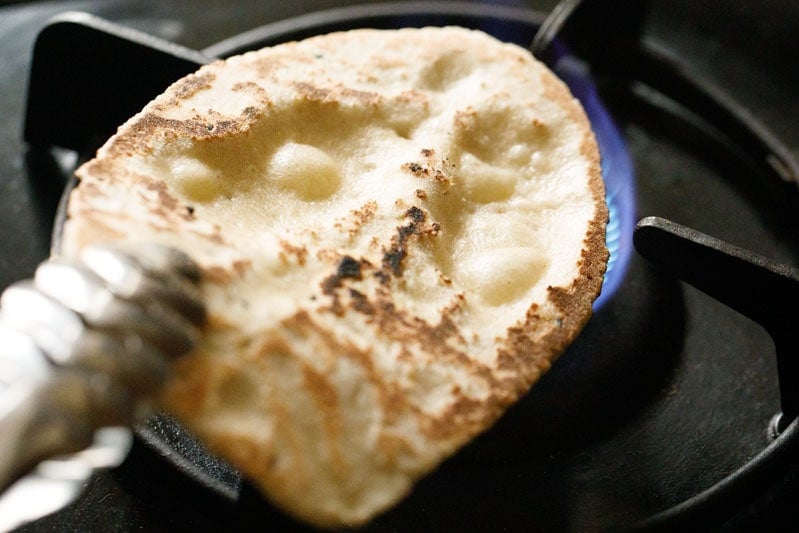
column 764, row 290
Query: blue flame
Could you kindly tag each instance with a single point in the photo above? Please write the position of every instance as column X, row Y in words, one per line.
column 617, row 171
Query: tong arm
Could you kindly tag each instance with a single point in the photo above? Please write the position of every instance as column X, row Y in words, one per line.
column 85, row 345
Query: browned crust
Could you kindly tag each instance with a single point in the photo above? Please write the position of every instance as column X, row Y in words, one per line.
column 357, row 218
column 524, row 353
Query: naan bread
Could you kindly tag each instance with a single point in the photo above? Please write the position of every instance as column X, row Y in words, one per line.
column 399, row 231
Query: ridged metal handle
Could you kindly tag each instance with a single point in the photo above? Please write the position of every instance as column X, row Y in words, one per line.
column 86, row 343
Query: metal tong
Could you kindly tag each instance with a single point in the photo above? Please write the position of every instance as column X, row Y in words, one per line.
column 84, row 346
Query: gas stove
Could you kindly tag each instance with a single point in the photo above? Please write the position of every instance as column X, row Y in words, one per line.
column 662, row 415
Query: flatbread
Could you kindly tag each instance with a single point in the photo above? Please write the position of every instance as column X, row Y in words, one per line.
column 399, row 232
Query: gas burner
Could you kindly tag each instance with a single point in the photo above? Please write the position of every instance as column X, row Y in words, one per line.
column 670, row 410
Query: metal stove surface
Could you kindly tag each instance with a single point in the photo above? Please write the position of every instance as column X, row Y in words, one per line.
column 665, row 393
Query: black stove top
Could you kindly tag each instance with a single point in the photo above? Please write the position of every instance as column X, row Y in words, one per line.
column 666, row 394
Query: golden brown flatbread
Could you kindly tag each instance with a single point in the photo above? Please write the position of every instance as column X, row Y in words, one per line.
column 399, row 231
